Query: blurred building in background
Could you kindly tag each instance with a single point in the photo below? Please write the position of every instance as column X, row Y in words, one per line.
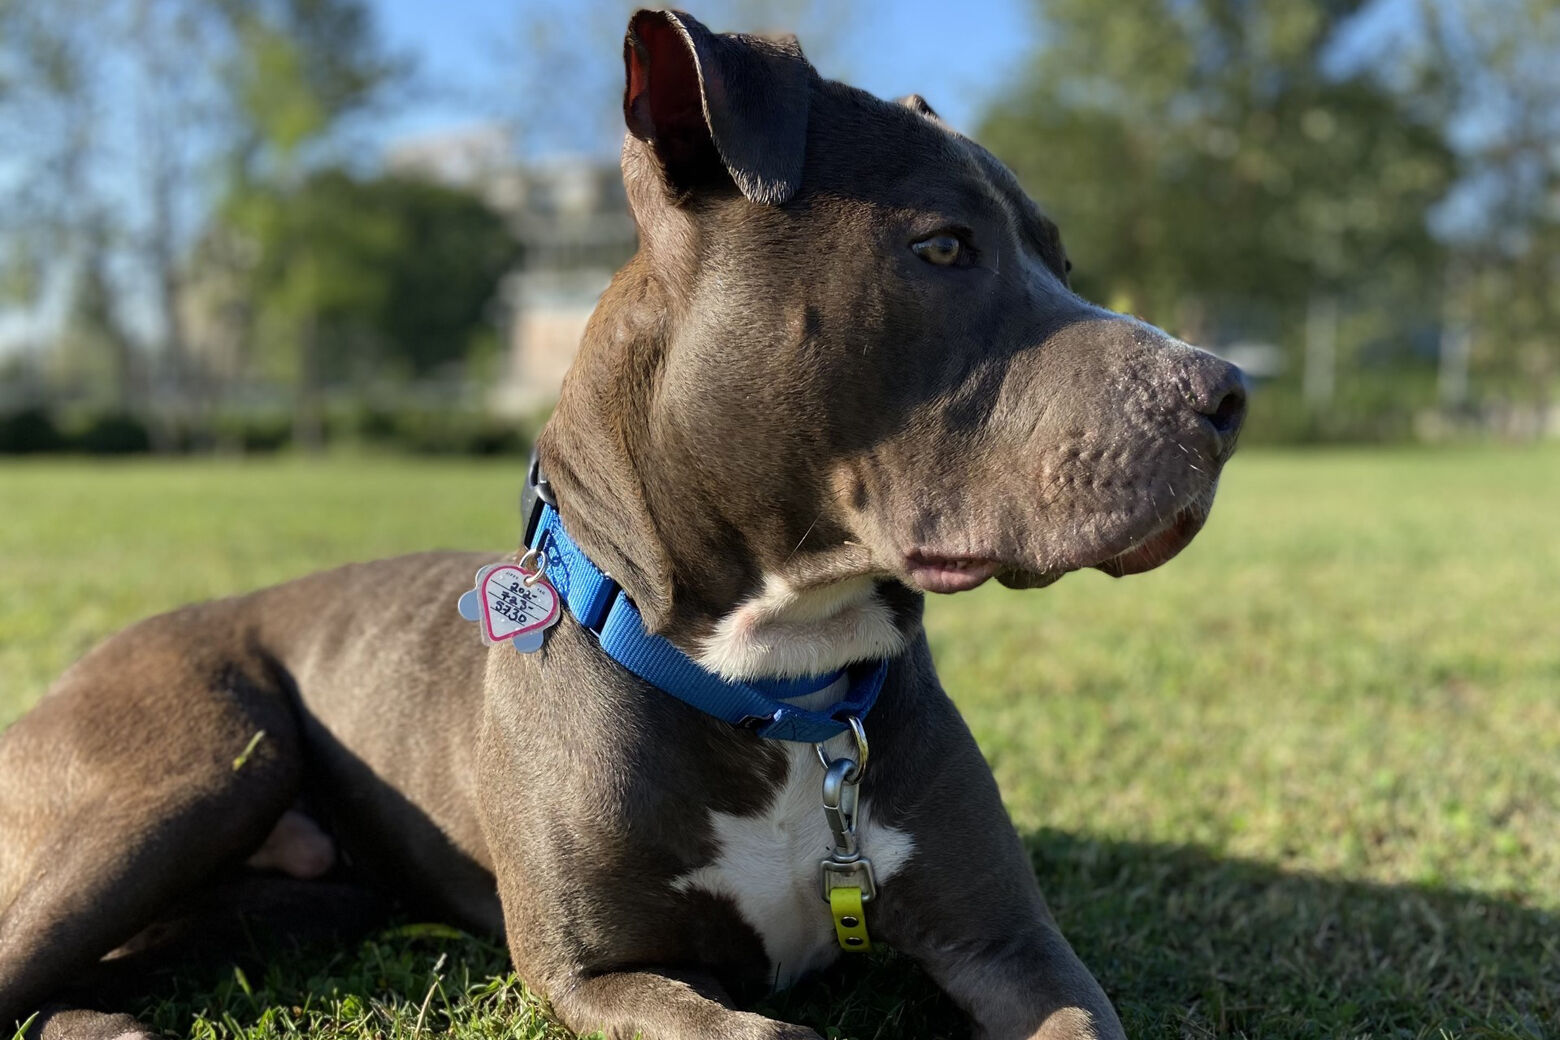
column 571, row 219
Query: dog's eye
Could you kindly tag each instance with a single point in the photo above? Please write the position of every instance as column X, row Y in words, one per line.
column 943, row 249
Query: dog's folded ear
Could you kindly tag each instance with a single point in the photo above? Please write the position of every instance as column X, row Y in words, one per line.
column 918, row 104
column 715, row 105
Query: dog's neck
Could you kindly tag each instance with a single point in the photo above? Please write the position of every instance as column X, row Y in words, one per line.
column 784, row 631
column 762, row 604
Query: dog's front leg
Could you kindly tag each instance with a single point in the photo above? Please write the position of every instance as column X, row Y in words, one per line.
column 680, row 1006
column 995, row 949
column 967, row 907
column 1028, row 986
column 583, row 901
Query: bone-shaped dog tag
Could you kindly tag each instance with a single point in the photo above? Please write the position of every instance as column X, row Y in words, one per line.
column 511, row 603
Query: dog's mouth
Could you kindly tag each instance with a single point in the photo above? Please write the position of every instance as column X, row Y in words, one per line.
column 934, row 572
column 1160, row 547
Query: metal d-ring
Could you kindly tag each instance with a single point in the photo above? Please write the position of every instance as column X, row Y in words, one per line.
column 535, row 561
column 859, row 766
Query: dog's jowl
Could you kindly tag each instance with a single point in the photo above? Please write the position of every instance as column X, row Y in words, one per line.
column 843, row 370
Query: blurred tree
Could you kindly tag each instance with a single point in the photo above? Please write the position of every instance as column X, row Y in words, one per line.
column 48, row 102
column 104, row 116
column 356, row 279
column 454, row 251
column 317, row 272
column 1200, row 154
column 117, row 118
column 300, row 71
column 1491, row 69
column 176, row 117
column 96, row 359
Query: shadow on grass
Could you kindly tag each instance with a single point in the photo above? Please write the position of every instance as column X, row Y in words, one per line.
column 1187, row 944
column 1190, row 944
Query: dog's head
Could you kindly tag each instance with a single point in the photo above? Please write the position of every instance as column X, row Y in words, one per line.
column 846, row 359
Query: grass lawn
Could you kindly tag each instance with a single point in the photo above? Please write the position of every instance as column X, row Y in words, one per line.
column 1303, row 782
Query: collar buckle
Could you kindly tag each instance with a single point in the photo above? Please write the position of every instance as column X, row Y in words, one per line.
column 536, row 493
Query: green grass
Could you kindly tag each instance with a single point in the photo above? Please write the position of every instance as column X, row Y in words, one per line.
column 1302, row 782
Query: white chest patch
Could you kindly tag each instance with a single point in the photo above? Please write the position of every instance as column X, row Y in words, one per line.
column 768, row 866
column 783, row 631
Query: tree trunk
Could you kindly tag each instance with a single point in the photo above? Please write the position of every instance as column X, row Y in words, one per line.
column 1321, row 350
column 308, row 402
column 1456, row 338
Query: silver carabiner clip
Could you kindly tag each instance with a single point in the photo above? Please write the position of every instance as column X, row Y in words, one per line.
column 840, row 798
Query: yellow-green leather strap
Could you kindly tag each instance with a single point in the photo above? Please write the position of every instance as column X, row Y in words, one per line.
column 850, row 923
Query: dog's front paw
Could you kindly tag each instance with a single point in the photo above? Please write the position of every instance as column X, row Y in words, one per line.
column 757, row 1027
column 56, row 1023
column 1077, row 1024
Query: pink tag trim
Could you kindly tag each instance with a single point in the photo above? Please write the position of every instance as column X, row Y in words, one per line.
column 519, row 630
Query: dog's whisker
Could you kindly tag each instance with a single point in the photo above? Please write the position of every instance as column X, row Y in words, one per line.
column 795, row 549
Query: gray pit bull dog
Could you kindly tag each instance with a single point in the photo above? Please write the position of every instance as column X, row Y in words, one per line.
column 844, row 369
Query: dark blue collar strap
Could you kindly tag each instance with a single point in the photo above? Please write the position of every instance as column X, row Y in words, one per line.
column 601, row 606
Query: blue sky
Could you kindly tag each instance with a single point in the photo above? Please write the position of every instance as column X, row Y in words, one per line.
column 470, row 57
column 955, row 56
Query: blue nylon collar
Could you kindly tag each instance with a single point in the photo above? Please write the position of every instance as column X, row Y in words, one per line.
column 601, row 606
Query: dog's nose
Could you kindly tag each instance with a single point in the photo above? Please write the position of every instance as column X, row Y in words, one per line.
column 1218, row 394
